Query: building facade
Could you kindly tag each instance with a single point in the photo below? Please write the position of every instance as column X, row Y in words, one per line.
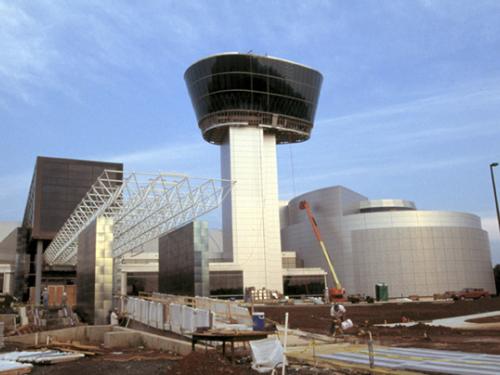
column 57, row 186
column 370, row 241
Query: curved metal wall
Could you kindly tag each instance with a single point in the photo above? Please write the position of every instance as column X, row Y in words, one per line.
column 415, row 252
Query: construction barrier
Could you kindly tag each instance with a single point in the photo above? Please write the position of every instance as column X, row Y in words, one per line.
column 184, row 315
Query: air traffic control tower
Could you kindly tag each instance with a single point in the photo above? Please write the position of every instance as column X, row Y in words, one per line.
column 247, row 104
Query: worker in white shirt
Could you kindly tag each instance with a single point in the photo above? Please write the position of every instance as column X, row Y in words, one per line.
column 337, row 313
column 113, row 318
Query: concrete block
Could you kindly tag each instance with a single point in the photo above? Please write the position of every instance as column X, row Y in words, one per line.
column 95, row 334
column 120, row 339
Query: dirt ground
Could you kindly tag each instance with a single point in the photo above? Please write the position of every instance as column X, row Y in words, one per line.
column 196, row 363
column 95, row 366
column 316, row 319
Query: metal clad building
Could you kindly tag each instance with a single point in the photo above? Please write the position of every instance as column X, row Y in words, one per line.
column 183, row 260
column 372, row 241
column 58, row 185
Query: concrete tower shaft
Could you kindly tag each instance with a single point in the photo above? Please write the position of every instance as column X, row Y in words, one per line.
column 248, row 104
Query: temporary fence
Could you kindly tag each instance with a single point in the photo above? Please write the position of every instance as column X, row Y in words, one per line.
column 185, row 315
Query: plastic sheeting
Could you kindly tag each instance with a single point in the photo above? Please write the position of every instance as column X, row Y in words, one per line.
column 176, row 318
column 45, row 356
column 188, row 319
column 202, row 318
column 182, row 319
column 266, row 354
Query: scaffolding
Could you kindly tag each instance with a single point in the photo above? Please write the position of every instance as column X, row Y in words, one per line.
column 142, row 206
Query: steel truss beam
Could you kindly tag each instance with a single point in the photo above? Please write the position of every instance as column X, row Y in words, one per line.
column 142, row 206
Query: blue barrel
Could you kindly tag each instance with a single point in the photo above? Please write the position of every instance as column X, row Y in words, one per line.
column 258, row 319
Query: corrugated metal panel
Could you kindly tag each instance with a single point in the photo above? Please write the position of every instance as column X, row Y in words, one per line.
column 442, row 361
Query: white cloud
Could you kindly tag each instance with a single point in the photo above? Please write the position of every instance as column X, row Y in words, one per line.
column 390, row 168
column 473, row 95
column 195, row 159
column 166, row 154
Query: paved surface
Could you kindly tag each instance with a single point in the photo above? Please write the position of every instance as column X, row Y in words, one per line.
column 460, row 321
column 457, row 322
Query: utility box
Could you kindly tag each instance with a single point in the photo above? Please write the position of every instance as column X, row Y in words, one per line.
column 381, row 292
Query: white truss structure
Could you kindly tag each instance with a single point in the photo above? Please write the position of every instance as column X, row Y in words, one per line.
column 143, row 206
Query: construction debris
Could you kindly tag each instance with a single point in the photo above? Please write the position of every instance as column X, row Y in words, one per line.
column 75, row 347
column 40, row 357
column 14, row 368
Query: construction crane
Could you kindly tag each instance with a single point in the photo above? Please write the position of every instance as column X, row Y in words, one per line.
column 337, row 293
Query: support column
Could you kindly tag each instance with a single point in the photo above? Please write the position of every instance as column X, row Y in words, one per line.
column 123, row 290
column 250, row 214
column 38, row 271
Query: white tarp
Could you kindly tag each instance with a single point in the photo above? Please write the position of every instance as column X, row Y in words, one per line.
column 159, row 315
column 202, row 318
column 133, row 308
column 240, row 314
column 144, row 311
column 152, row 314
column 220, row 308
column 175, row 318
column 188, row 319
column 266, row 354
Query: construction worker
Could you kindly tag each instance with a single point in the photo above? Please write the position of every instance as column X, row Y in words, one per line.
column 113, row 318
column 337, row 313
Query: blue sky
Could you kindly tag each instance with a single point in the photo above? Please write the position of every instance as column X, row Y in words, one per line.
column 410, row 105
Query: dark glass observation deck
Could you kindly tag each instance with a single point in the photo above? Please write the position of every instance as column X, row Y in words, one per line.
column 234, row 89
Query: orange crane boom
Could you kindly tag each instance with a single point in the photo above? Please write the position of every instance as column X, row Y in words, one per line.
column 337, row 292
